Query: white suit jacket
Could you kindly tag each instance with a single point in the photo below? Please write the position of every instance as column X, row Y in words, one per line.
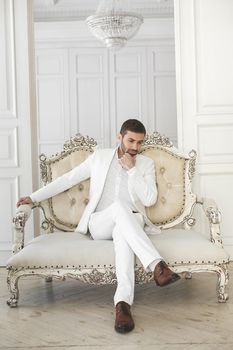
column 141, row 184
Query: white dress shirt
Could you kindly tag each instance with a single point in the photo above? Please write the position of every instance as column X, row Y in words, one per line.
column 116, row 186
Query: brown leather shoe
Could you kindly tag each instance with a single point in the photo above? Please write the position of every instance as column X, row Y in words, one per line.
column 124, row 322
column 163, row 275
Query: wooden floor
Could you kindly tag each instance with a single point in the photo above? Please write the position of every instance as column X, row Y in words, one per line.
column 71, row 315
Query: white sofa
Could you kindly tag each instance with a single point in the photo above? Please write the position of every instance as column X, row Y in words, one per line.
column 59, row 252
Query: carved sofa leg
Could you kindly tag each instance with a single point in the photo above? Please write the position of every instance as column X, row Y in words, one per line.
column 188, row 275
column 12, row 282
column 223, row 277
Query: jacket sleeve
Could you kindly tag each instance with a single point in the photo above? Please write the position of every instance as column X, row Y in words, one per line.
column 144, row 184
column 64, row 182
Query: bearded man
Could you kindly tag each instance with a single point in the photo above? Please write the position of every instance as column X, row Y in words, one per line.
column 122, row 184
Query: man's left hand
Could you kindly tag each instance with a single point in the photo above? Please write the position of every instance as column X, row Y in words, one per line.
column 127, row 161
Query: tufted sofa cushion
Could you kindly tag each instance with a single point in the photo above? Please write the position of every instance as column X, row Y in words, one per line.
column 71, row 249
column 170, row 174
column 66, row 208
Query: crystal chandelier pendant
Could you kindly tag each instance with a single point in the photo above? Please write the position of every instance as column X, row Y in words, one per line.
column 113, row 24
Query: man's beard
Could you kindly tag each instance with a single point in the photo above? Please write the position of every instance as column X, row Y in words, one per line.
column 129, row 151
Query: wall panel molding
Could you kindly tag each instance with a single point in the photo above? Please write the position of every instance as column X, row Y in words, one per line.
column 89, row 96
column 214, row 84
column 7, row 61
column 105, row 87
column 16, row 89
column 8, row 147
column 52, row 97
column 162, row 90
column 219, row 151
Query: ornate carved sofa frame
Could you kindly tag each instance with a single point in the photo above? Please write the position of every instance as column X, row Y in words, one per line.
column 60, row 252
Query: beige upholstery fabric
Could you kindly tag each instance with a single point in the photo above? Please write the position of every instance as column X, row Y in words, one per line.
column 170, row 173
column 67, row 208
column 72, row 249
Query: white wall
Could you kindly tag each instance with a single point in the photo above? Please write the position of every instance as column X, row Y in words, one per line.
column 83, row 87
column 16, row 114
column 204, row 56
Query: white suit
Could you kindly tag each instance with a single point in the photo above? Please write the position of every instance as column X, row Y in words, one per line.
column 117, row 221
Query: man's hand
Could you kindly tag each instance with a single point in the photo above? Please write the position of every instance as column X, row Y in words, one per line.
column 24, row 200
column 127, row 161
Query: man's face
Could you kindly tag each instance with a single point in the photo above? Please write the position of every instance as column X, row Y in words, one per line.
column 131, row 142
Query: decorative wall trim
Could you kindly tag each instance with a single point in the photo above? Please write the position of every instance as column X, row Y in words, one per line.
column 48, row 10
column 160, row 29
column 8, row 150
column 7, row 61
column 209, row 100
column 222, row 149
column 74, row 40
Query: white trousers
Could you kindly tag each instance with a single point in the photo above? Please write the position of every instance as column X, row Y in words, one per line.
column 119, row 223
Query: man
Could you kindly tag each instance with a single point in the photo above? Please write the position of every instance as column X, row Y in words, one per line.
column 122, row 184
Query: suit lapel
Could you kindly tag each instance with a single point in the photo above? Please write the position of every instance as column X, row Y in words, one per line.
column 105, row 165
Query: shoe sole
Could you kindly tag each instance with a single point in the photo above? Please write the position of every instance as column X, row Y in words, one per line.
column 122, row 330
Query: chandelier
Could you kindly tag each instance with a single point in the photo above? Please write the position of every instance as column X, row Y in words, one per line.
column 114, row 24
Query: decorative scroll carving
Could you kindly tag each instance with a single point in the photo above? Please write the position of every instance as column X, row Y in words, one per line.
column 96, row 277
column 43, row 168
column 188, row 275
column 100, row 276
column 19, row 220
column 189, row 220
column 48, row 225
column 220, row 270
column 214, row 215
column 223, row 278
column 12, row 283
column 157, row 139
column 141, row 276
column 80, row 141
column 192, row 163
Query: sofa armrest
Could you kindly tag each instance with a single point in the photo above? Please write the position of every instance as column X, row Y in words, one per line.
column 214, row 217
column 19, row 221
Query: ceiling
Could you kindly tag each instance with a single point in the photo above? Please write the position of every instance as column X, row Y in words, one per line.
column 65, row 10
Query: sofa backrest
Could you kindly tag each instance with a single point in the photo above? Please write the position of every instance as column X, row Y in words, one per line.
column 174, row 172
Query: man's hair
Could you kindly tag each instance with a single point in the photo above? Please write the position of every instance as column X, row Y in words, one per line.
column 133, row 125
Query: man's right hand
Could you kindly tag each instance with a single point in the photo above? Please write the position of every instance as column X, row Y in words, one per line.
column 24, row 200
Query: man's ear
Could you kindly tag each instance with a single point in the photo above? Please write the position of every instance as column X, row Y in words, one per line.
column 119, row 137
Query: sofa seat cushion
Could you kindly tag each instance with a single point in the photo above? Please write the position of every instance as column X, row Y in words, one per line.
column 64, row 249
column 74, row 250
column 178, row 246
